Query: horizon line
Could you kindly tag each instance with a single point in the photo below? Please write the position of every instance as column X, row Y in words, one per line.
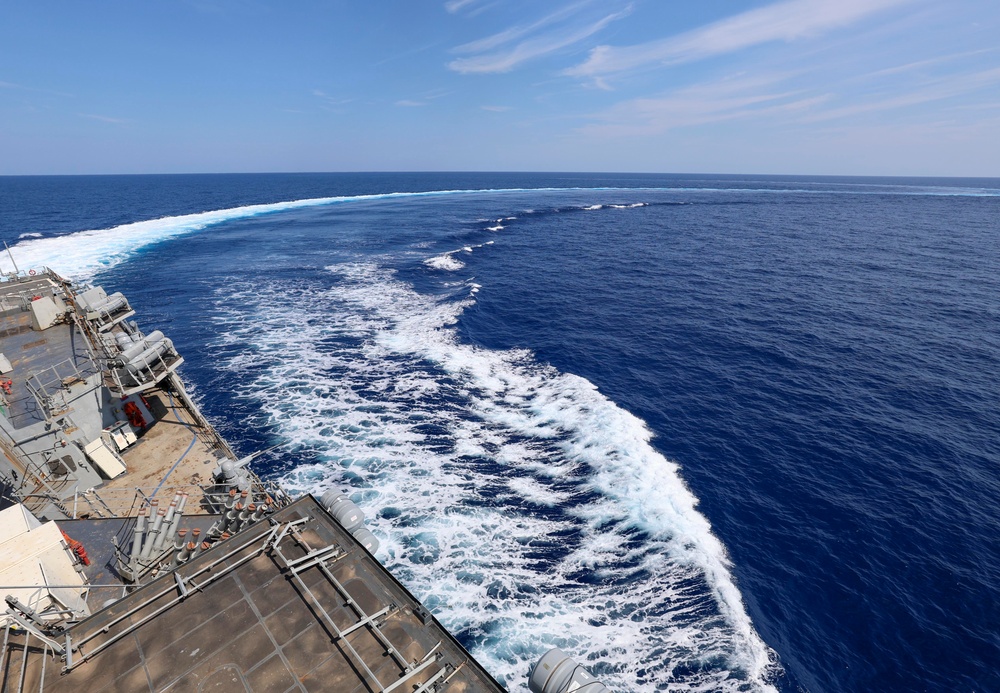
column 499, row 172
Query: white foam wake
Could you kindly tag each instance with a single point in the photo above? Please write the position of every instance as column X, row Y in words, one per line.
column 81, row 254
column 634, row 205
column 448, row 262
column 445, row 261
column 525, row 508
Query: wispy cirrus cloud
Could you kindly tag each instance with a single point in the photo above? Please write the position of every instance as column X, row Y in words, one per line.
column 331, row 103
column 730, row 98
column 792, row 99
column 103, row 118
column 330, row 99
column 505, row 50
column 453, row 6
column 37, row 90
column 783, row 21
column 475, row 7
column 949, row 87
column 520, row 31
column 425, row 98
column 928, row 62
column 416, row 50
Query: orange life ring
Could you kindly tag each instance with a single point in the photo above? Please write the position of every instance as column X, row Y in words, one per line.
column 31, row 272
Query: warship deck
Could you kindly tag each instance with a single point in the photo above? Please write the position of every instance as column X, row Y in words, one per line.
column 59, row 379
column 230, row 586
column 292, row 603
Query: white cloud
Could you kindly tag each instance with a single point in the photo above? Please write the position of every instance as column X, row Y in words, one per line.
column 454, row 6
column 37, row 90
column 425, row 98
column 436, row 94
column 919, row 64
column 945, row 88
column 516, row 32
column 726, row 99
column 496, row 109
column 103, row 118
column 783, row 21
column 329, row 99
column 767, row 100
column 535, row 43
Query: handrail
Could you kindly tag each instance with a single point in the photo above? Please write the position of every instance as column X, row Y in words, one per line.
column 212, row 577
column 261, row 492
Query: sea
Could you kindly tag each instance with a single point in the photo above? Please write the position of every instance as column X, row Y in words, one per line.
column 701, row 432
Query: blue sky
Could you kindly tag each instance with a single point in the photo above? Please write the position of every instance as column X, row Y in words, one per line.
column 866, row 87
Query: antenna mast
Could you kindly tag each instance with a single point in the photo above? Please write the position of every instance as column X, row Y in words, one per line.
column 11, row 256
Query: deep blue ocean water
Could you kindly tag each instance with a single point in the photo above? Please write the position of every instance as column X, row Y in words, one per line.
column 702, row 432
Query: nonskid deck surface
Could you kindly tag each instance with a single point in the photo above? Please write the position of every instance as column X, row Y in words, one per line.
column 174, row 453
column 60, row 392
column 104, row 583
column 59, row 352
column 291, row 604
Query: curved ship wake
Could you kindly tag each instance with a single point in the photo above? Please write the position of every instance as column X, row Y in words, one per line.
column 522, row 506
